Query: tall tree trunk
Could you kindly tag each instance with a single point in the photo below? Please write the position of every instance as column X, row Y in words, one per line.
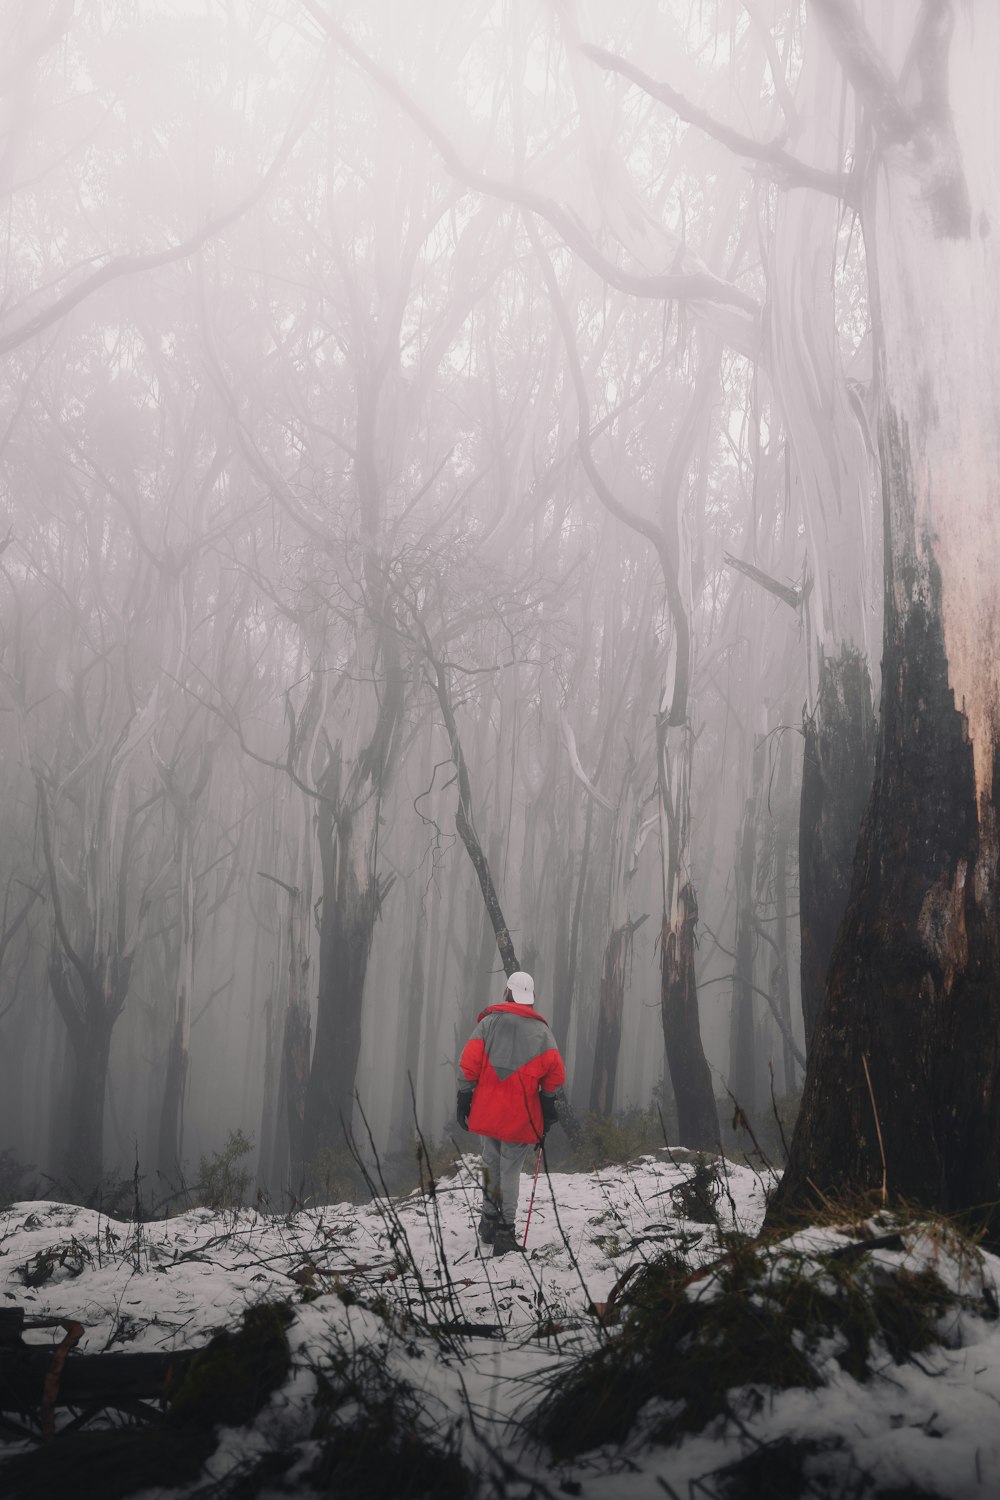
column 90, row 1051
column 742, row 1059
column 90, row 985
column 562, row 842
column 831, row 475
column 607, row 1045
column 836, row 780
column 170, row 1147
column 295, row 1053
column 412, row 1020
column 349, row 912
column 697, row 1117
column 779, row 978
column 906, row 1058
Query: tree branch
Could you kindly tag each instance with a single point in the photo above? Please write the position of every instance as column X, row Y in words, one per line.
column 569, row 740
column 791, row 597
column 797, row 173
column 130, row 265
column 684, row 286
column 653, row 533
column 866, row 69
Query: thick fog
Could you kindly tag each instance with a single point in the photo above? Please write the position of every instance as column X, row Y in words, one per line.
column 437, row 479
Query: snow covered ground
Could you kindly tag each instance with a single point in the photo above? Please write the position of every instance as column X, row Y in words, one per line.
column 480, row 1340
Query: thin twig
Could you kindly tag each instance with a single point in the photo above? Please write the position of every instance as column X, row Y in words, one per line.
column 878, row 1131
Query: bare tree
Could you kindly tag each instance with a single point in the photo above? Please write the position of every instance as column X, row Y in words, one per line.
column 901, row 1089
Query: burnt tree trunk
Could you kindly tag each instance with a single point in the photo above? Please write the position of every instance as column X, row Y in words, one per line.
column 742, row 1040
column 697, row 1119
column 913, row 995
column 836, row 782
column 90, row 1051
column 350, row 908
column 607, row 1045
column 779, row 978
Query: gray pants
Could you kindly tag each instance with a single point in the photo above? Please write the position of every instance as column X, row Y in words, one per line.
column 502, row 1163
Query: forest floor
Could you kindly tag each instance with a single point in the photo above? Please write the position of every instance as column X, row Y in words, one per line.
column 864, row 1357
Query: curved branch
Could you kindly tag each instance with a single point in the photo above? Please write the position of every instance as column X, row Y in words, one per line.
column 653, row 533
column 769, row 153
column 130, row 265
column 791, row 597
column 569, row 740
column 683, row 286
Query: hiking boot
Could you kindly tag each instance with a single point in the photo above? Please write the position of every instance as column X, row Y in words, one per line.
column 505, row 1240
column 488, row 1229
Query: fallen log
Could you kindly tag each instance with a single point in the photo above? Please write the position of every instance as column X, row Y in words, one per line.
column 34, row 1379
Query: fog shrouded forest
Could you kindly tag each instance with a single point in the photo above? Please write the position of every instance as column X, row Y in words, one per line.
column 454, row 461
column 439, row 495
column 495, row 486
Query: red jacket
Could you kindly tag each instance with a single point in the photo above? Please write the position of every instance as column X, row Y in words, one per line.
column 509, row 1058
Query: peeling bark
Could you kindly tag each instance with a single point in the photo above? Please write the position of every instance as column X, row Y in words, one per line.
column 913, row 995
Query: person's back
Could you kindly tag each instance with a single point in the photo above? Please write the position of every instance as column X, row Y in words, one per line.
column 510, row 1077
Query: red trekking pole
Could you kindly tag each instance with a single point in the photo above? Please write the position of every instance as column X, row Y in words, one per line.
column 538, row 1163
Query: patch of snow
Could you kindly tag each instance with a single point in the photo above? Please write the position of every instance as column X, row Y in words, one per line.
column 166, row 1285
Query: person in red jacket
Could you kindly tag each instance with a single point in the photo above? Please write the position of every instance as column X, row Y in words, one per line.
column 510, row 1078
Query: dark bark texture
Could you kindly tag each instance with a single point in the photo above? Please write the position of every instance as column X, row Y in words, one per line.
column 742, row 1052
column 837, row 768
column 912, row 989
column 350, row 909
column 169, row 1144
column 697, row 1118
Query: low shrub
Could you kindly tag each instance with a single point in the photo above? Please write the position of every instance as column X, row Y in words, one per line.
column 376, row 1438
column 763, row 1317
column 222, row 1182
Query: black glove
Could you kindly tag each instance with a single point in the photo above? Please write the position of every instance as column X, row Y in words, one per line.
column 462, row 1107
column 550, row 1116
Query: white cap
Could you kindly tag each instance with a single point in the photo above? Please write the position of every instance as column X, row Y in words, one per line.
column 522, row 987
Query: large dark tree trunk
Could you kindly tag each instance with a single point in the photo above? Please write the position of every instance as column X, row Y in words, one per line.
column 779, row 978
column 908, row 1040
column 697, row 1119
column 742, row 1049
column 609, row 1018
column 913, row 989
column 836, row 782
column 349, row 912
column 90, row 1050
